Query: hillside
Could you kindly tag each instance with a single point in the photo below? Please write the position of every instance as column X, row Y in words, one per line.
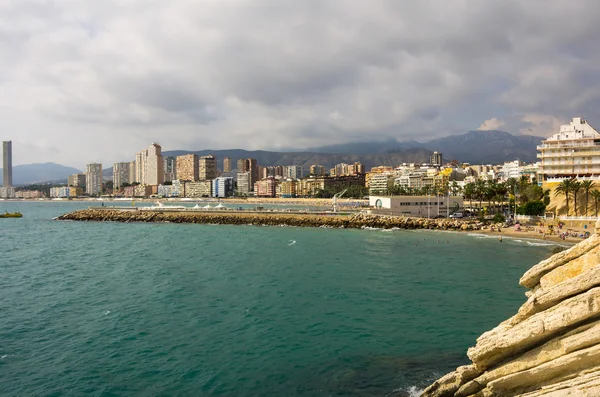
column 40, row 172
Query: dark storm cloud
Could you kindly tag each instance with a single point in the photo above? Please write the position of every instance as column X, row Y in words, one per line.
column 261, row 74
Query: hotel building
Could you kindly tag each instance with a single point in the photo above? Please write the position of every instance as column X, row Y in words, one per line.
column 222, row 187
column 170, row 169
column 573, row 152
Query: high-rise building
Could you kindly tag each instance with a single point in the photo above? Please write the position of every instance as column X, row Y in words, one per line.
column 226, row 164
column 207, row 167
column 76, row 180
column 187, row 167
column 251, row 166
column 121, row 173
column 170, row 169
column 131, row 172
column 149, row 166
column 93, row 178
column 7, row 178
column 436, row 159
column 242, row 165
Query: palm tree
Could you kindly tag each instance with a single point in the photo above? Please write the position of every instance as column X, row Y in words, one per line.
column 587, row 186
column 564, row 188
column 575, row 188
column 596, row 196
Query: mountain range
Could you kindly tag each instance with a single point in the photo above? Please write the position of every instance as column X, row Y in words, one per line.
column 475, row 147
column 27, row 174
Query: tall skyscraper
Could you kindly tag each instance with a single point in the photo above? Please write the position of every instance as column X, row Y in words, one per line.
column 93, row 178
column 207, row 167
column 121, row 173
column 7, row 163
column 187, row 167
column 226, row 164
column 149, row 166
column 242, row 165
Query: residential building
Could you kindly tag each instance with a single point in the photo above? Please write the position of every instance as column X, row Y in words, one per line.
column 293, row 171
column 93, row 178
column 76, row 180
column 170, row 168
column 226, row 164
column 30, row 194
column 308, row 187
column 178, row 188
column 287, row 188
column 243, row 183
column 380, row 183
column 572, row 152
column 265, row 187
column 165, row 190
column 198, row 189
column 187, row 167
column 317, row 170
column 7, row 171
column 436, row 159
column 132, row 172
column 207, row 167
column 149, row 164
column 511, row 169
column 121, row 173
column 7, row 192
column 249, row 165
column 222, row 187
column 65, row 191
column 378, row 170
column 419, row 206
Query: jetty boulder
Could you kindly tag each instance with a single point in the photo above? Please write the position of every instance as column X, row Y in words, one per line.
column 551, row 346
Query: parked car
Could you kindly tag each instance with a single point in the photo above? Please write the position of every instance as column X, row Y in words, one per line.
column 456, row 215
column 438, row 217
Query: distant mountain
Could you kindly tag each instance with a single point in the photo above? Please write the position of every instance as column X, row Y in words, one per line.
column 474, row 147
column 485, row 147
column 328, row 160
column 40, row 172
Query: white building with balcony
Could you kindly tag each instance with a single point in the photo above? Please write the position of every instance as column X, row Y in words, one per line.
column 573, row 152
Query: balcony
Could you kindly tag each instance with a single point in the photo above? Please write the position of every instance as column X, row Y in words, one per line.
column 546, row 146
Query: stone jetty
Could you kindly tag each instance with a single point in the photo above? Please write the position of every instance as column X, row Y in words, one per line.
column 551, row 346
column 355, row 220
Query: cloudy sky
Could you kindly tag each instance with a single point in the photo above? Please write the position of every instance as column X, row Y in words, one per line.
column 98, row 80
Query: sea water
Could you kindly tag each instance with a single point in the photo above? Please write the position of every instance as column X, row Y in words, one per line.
column 113, row 309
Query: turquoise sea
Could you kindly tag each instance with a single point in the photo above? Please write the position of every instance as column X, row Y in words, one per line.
column 109, row 309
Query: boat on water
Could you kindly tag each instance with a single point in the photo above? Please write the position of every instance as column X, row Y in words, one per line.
column 11, row 215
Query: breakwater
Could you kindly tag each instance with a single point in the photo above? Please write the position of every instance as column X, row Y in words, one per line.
column 551, row 346
column 355, row 220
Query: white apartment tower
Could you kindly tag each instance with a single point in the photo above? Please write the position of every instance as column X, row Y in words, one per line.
column 93, row 178
column 572, row 152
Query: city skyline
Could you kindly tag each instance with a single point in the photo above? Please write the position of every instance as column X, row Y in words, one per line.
column 77, row 78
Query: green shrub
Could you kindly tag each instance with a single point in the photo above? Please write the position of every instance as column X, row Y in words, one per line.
column 498, row 218
column 532, row 208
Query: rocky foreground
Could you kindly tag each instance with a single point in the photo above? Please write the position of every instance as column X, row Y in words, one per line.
column 357, row 220
column 551, row 346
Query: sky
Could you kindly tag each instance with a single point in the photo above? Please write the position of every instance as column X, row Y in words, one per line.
column 98, row 80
